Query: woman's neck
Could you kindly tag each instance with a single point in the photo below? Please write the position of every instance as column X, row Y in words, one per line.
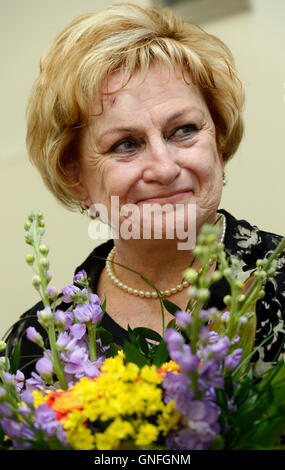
column 163, row 265
column 159, row 261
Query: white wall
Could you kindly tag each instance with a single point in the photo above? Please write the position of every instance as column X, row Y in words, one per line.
column 255, row 190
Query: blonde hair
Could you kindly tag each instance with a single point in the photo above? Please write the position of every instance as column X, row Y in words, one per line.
column 124, row 36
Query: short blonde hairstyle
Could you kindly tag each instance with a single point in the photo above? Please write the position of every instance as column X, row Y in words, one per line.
column 79, row 61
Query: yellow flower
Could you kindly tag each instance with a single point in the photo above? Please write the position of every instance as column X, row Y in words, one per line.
column 113, row 365
column 147, row 433
column 169, row 366
column 39, row 398
column 81, row 439
column 121, row 354
column 149, row 374
column 130, row 372
column 169, row 418
column 124, row 398
column 115, row 433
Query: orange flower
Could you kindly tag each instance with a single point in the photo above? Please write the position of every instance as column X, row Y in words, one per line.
column 63, row 402
column 170, row 366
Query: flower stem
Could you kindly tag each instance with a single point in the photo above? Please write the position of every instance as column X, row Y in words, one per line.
column 36, row 243
column 55, row 359
column 51, row 328
column 92, row 341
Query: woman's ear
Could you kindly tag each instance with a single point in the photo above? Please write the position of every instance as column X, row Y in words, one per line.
column 72, row 173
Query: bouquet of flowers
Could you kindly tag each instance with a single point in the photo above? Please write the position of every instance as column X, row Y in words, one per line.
column 193, row 388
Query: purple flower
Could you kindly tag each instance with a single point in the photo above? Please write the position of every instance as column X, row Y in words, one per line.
column 18, row 445
column 32, row 334
column 85, row 313
column 196, row 410
column 232, row 360
column 80, row 276
column 69, row 293
column 77, row 363
column 236, row 339
column 5, row 410
column 27, row 433
column 60, row 318
column 20, row 380
column 27, row 397
column 20, row 376
column 200, row 426
column 204, row 314
column 69, row 320
column 78, row 330
column 35, row 382
column 187, row 361
column 24, row 411
column 174, row 339
column 226, row 316
column 204, row 333
column 11, row 428
column 45, row 316
column 44, row 367
column 213, row 337
column 51, row 292
column 10, row 378
column 220, row 348
column 177, row 386
column 95, row 303
column 45, row 419
column 63, row 340
column 211, row 372
column 183, row 319
column 183, row 440
column 91, row 369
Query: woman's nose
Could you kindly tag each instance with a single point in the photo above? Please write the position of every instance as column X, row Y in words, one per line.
column 160, row 164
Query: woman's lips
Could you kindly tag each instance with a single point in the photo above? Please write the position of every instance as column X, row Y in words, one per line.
column 172, row 198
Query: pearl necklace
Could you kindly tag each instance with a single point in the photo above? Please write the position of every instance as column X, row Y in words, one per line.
column 147, row 294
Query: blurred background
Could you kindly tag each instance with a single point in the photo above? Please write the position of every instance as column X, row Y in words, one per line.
column 254, row 31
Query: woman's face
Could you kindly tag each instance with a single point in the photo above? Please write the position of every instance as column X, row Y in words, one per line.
column 155, row 142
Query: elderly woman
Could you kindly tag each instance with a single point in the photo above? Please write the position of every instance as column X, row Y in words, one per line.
column 136, row 107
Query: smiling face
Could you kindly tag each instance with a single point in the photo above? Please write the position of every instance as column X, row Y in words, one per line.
column 154, row 142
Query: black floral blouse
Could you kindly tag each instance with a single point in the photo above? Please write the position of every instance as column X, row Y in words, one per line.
column 243, row 241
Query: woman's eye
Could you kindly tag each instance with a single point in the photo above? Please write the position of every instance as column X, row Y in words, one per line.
column 184, row 131
column 123, row 147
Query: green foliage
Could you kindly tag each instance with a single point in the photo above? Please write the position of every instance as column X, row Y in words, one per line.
column 141, row 351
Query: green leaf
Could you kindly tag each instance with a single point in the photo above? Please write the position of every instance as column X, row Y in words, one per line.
column 15, row 358
column 143, row 345
column 113, row 350
column 132, row 335
column 243, row 389
column 147, row 333
column 105, row 336
column 218, row 443
column 173, row 324
column 170, row 306
column 134, row 355
column 161, row 354
column 247, row 338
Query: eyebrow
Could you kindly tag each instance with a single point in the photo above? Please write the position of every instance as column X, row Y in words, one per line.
column 172, row 118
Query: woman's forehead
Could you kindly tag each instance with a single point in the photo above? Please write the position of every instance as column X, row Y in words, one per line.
column 166, row 80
